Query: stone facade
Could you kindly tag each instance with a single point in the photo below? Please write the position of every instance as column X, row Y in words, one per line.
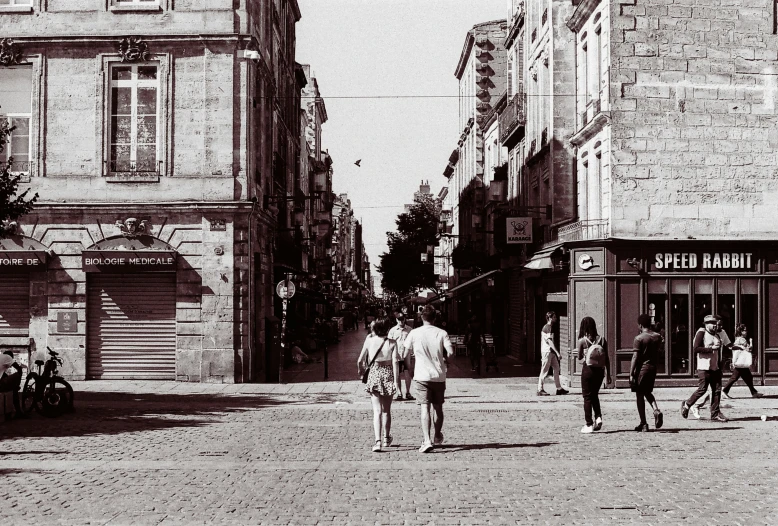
column 694, row 123
column 216, row 128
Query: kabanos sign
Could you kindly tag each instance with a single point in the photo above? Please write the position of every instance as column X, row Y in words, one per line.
column 704, row 261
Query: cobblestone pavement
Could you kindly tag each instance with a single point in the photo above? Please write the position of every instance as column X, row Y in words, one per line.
column 174, row 453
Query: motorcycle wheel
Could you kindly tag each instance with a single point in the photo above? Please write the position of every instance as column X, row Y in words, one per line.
column 57, row 398
column 28, row 402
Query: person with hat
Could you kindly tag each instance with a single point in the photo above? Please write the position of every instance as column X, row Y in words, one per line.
column 708, row 347
column 726, row 343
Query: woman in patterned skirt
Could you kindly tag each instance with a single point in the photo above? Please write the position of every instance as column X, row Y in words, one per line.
column 383, row 354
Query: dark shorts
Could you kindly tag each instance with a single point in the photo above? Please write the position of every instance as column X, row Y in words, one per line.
column 430, row 392
column 646, row 378
column 402, row 366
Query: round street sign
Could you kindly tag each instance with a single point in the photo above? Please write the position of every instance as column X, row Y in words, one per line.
column 285, row 289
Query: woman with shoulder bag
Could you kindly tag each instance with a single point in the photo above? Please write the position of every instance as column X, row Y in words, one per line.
column 742, row 358
column 378, row 365
column 593, row 351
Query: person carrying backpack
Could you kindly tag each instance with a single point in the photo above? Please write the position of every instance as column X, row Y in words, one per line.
column 593, row 351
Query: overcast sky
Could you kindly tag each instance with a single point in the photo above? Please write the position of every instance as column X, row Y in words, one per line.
column 386, row 48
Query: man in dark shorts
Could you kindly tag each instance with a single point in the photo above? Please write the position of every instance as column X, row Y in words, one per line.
column 643, row 371
column 431, row 347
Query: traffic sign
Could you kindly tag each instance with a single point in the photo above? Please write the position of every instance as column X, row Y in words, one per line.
column 285, row 289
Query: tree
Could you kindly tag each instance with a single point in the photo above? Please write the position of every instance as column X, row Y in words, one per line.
column 401, row 267
column 12, row 206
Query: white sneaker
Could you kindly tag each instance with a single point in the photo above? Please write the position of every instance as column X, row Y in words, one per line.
column 377, row 446
column 598, row 423
column 387, row 441
column 694, row 410
column 587, row 429
column 426, row 447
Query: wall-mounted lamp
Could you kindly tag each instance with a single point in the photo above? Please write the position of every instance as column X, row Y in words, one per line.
column 634, row 263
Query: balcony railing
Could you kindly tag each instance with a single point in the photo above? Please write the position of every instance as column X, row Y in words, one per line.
column 593, row 108
column 130, row 169
column 584, row 230
column 18, row 167
column 512, row 117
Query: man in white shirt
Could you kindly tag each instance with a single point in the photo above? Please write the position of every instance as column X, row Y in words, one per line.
column 398, row 333
column 549, row 355
column 431, row 348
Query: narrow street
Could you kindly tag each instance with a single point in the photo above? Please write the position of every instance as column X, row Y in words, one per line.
column 148, row 452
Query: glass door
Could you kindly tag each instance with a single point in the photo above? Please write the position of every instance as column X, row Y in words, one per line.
column 680, row 343
column 725, row 307
column 657, row 309
column 748, row 314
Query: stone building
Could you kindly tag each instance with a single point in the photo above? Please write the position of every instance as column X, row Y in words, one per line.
column 481, row 74
column 676, row 142
column 163, row 140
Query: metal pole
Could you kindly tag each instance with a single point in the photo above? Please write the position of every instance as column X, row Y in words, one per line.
column 283, row 339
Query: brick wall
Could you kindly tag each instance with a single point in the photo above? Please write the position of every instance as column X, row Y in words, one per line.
column 694, row 119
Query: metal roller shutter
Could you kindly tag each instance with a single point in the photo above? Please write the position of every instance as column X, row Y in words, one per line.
column 15, row 304
column 131, row 325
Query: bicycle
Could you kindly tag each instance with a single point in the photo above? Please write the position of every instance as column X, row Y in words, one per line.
column 47, row 392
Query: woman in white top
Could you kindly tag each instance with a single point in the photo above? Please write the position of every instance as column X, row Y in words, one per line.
column 741, row 346
column 381, row 355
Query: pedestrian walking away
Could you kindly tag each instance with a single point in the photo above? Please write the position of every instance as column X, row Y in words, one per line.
column 380, row 355
column 707, row 347
column 742, row 358
column 593, row 351
column 398, row 333
column 431, row 347
column 549, row 355
column 642, row 371
column 475, row 343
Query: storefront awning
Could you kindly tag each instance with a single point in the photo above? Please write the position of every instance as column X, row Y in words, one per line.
column 542, row 259
column 468, row 285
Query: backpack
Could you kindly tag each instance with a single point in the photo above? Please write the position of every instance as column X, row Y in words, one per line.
column 595, row 354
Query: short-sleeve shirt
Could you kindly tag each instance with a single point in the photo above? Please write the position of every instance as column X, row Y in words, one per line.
column 647, row 345
column 546, row 339
column 399, row 334
column 430, row 345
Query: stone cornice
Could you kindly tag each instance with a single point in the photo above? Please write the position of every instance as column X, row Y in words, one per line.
column 597, row 123
column 581, row 14
column 184, row 206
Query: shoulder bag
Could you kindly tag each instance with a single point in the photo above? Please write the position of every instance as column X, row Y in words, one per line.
column 367, row 371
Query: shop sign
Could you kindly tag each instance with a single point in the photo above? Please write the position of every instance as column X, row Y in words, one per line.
column 518, row 230
column 94, row 261
column 704, row 261
column 32, row 258
column 286, row 289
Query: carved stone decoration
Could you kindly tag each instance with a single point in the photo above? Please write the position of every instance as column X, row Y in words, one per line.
column 544, row 57
column 132, row 228
column 533, row 71
column 133, row 49
column 9, row 52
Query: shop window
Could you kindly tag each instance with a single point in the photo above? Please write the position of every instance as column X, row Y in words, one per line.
column 679, row 327
column 749, row 309
column 135, row 5
column 16, row 109
column 134, row 131
column 15, row 3
column 725, row 305
column 657, row 309
column 703, row 301
column 628, row 311
column 771, row 316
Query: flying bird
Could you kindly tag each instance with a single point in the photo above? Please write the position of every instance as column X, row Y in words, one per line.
column 358, row 161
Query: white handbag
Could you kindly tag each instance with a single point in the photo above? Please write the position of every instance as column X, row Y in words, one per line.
column 743, row 360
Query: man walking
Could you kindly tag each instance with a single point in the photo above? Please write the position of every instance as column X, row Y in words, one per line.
column 399, row 333
column 431, row 347
column 642, row 371
column 549, row 355
column 726, row 343
column 707, row 345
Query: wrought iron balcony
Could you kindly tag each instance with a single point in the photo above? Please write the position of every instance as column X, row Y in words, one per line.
column 584, row 230
column 131, row 169
column 18, row 167
column 512, row 118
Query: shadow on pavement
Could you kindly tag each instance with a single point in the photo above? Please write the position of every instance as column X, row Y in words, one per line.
column 453, row 448
column 110, row 413
column 2, row 453
column 677, row 430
